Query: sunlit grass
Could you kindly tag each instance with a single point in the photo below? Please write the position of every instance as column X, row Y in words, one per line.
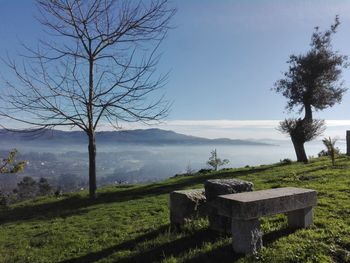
column 131, row 223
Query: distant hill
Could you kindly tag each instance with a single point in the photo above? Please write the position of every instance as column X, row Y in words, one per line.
column 145, row 137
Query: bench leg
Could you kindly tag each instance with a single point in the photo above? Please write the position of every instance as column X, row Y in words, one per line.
column 302, row 218
column 246, row 236
column 220, row 223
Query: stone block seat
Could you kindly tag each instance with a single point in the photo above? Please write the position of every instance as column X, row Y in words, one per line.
column 186, row 205
column 245, row 209
column 215, row 188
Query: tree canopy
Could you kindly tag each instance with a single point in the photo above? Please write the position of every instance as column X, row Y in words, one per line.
column 314, row 79
column 312, row 82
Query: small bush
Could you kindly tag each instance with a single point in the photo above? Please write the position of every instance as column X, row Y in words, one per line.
column 189, row 170
column 325, row 153
column 331, row 150
column 204, row 171
column 44, row 187
column 3, row 200
column 286, row 161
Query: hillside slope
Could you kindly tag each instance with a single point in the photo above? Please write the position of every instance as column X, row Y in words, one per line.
column 131, row 223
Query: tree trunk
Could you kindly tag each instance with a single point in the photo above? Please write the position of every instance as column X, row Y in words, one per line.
column 308, row 112
column 91, row 133
column 92, row 165
column 298, row 140
column 348, row 143
column 299, row 150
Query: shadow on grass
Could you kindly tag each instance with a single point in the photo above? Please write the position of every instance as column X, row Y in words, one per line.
column 128, row 245
column 77, row 205
column 271, row 237
column 172, row 248
column 225, row 253
column 176, row 248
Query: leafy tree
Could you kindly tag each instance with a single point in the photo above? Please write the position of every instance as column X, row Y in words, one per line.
column 3, row 199
column 27, row 188
column 215, row 161
column 97, row 66
column 10, row 165
column 44, row 188
column 332, row 151
column 7, row 198
column 311, row 83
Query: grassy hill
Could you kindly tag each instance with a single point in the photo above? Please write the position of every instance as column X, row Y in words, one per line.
column 131, row 223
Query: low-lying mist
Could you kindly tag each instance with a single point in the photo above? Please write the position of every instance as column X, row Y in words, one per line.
column 67, row 165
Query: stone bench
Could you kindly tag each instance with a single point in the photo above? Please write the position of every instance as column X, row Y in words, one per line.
column 215, row 188
column 245, row 209
column 186, row 205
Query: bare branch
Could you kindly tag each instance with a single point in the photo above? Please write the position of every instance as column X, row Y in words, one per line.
column 98, row 64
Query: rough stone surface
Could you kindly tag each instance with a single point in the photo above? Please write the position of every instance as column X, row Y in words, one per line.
column 246, row 236
column 186, row 205
column 246, row 208
column 266, row 202
column 216, row 187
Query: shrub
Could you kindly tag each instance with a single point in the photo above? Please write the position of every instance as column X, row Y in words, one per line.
column 322, row 153
column 204, row 171
column 3, row 200
column 331, row 150
column 189, row 170
column 286, row 161
column 44, row 187
column 27, row 188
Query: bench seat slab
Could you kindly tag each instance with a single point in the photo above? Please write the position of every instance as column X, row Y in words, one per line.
column 251, row 205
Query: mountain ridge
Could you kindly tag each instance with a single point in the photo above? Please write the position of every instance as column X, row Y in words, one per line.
column 152, row 136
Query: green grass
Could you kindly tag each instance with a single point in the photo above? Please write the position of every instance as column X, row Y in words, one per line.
column 131, row 223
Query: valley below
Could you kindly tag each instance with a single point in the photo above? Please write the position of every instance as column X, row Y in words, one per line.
column 65, row 162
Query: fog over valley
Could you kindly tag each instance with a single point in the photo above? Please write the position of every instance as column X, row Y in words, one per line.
column 157, row 155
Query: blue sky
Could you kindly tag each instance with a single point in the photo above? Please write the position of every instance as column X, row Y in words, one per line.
column 224, row 57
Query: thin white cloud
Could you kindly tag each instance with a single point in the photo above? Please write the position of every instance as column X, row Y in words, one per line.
column 239, row 129
column 335, row 123
column 233, row 129
column 225, row 123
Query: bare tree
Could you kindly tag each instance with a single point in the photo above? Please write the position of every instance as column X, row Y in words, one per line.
column 97, row 66
column 215, row 162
